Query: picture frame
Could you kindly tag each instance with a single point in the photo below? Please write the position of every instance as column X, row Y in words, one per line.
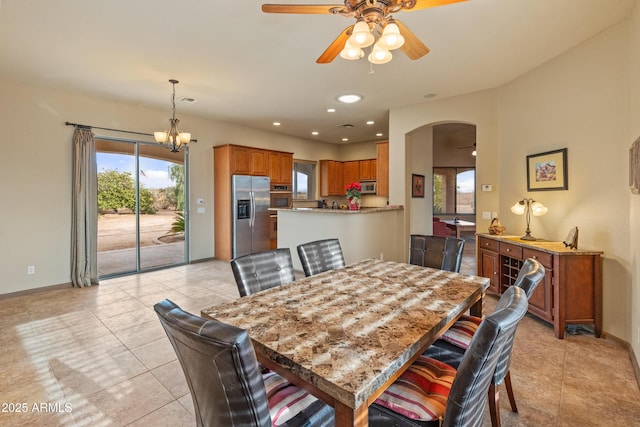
column 547, row 171
column 417, row 185
column 634, row 167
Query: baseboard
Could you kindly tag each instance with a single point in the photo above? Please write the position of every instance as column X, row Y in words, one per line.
column 35, row 290
column 634, row 363
column 624, row 344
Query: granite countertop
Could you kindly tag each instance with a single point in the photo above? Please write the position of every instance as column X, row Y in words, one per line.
column 548, row 246
column 347, row 331
column 362, row 210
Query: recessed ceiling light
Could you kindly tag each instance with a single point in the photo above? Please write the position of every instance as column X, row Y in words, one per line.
column 379, row 134
column 276, row 123
column 331, row 110
column 315, row 133
column 349, row 99
column 187, row 99
column 345, row 139
column 370, row 122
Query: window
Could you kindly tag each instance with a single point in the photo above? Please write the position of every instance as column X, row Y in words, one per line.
column 304, row 180
column 454, row 190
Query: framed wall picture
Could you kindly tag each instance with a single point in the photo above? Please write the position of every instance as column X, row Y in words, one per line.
column 417, row 185
column 547, row 171
column 634, row 167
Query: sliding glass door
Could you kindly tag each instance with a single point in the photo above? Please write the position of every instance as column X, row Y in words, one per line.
column 142, row 190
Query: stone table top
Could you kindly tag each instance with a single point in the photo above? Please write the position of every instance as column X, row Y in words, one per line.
column 348, row 331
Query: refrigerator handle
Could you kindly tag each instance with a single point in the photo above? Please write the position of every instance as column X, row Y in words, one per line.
column 252, row 221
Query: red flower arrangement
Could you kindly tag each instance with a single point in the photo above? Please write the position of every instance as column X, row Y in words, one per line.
column 354, row 190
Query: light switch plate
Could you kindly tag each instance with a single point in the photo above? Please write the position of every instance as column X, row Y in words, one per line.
column 486, row 215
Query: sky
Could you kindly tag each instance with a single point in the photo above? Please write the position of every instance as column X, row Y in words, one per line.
column 153, row 173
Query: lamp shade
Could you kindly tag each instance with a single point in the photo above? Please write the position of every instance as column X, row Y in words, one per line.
column 351, row 52
column 361, row 36
column 538, row 209
column 391, row 37
column 518, row 208
column 379, row 55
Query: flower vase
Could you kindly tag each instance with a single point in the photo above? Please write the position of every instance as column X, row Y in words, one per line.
column 353, row 206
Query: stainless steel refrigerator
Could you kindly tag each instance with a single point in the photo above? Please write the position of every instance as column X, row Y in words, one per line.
column 250, row 206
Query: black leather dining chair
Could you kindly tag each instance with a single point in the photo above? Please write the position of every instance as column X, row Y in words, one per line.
column 262, row 270
column 228, row 387
column 450, row 348
column 433, row 393
column 444, row 253
column 321, row 255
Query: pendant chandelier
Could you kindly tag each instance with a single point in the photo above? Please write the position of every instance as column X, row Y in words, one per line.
column 173, row 138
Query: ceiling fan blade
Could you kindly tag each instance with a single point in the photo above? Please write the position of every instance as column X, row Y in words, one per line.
column 412, row 46
column 424, row 4
column 334, row 48
column 300, row 8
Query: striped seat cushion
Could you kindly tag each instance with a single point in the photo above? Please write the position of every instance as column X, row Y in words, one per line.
column 461, row 332
column 421, row 392
column 285, row 399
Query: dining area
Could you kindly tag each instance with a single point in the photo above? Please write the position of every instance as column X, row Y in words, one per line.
column 344, row 341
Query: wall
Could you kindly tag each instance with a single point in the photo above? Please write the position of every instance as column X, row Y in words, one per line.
column 406, row 126
column 580, row 101
column 35, row 172
column 634, row 217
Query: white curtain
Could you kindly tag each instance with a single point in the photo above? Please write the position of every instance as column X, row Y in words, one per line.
column 84, row 229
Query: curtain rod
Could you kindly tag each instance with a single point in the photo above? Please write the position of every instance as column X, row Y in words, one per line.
column 77, row 125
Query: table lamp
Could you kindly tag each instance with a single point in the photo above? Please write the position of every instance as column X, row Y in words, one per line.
column 529, row 206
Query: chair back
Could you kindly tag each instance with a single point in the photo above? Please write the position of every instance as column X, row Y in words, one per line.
column 321, row 255
column 530, row 276
column 467, row 398
column 220, row 366
column 444, row 253
column 262, row 270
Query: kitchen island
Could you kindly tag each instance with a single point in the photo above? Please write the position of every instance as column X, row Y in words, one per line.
column 366, row 233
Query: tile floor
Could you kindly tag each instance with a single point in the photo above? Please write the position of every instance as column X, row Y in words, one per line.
column 99, row 357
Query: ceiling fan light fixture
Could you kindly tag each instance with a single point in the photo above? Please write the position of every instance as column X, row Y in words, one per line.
column 379, row 55
column 361, row 36
column 351, row 52
column 391, row 37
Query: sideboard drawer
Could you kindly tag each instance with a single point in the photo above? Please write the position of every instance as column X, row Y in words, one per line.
column 512, row 251
column 544, row 258
column 488, row 244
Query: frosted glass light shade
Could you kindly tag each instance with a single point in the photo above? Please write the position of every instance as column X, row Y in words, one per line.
column 391, row 37
column 160, row 137
column 361, row 36
column 379, row 55
column 538, row 209
column 518, row 208
column 351, row 52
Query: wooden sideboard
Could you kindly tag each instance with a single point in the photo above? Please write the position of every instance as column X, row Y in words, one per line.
column 571, row 292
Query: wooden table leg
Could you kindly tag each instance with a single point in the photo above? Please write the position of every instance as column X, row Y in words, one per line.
column 346, row 416
column 477, row 309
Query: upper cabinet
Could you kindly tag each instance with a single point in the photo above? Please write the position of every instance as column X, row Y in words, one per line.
column 281, row 167
column 277, row 165
column 331, row 178
column 382, row 179
column 249, row 161
column 351, row 171
column 368, row 170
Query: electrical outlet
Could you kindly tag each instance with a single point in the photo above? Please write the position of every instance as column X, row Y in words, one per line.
column 31, row 269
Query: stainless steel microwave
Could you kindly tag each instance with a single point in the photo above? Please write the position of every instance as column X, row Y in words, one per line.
column 368, row 187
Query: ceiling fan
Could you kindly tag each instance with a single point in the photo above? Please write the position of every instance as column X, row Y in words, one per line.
column 372, row 16
column 472, row 147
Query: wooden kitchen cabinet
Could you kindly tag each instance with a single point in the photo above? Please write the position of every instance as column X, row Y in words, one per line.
column 368, row 170
column 281, row 167
column 351, row 172
column 382, row 149
column 570, row 293
column 331, row 178
column 248, row 161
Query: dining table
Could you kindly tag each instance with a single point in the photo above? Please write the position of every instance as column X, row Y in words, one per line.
column 346, row 334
